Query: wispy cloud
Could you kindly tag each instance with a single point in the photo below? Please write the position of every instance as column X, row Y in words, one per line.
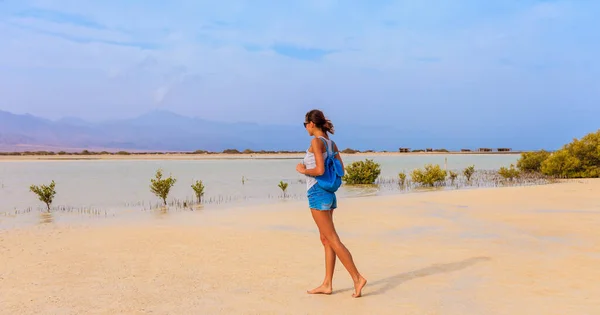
column 300, row 53
column 251, row 56
column 59, row 17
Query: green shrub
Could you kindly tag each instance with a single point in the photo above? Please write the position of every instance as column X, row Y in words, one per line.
column 283, row 185
column 509, row 173
column 362, row 172
column 431, row 175
column 578, row 159
column 45, row 193
column 161, row 187
column 402, row 178
column 531, row 162
column 468, row 172
column 198, row 188
column 349, row 151
column 231, row 151
column 453, row 176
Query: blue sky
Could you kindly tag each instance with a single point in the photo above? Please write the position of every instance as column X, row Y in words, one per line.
column 438, row 66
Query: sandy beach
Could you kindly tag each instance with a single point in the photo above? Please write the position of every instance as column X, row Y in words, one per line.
column 516, row 250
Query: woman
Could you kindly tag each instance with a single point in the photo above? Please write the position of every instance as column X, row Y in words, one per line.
column 322, row 202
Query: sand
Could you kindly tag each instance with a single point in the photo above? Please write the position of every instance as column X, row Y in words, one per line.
column 517, row 250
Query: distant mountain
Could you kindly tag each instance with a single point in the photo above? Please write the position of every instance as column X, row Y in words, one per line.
column 156, row 130
column 162, row 130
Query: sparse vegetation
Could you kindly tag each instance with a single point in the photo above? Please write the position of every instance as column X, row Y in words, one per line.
column 509, row 173
column 429, row 176
column 283, row 186
column 362, row 172
column 198, row 188
column 161, row 186
column 578, row 159
column 402, row 178
column 231, row 151
column 45, row 193
column 531, row 162
column 453, row 175
column 350, row 151
column 468, row 172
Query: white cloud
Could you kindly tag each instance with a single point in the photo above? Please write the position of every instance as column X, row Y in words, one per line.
column 201, row 57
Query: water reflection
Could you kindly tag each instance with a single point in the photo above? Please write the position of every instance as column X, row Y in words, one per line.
column 46, row 217
column 161, row 212
column 361, row 190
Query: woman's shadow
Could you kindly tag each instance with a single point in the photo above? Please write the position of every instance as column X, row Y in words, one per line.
column 394, row 281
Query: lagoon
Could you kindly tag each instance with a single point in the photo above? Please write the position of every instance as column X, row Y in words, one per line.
column 116, row 185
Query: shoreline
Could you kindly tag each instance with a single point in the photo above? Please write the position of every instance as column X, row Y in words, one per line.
column 222, row 156
column 79, row 216
column 520, row 250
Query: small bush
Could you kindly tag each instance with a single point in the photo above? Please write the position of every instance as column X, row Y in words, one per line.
column 349, row 151
column 362, row 172
column 468, row 172
column 231, row 151
column 198, row 188
column 431, row 175
column 531, row 162
column 453, row 176
column 578, row 159
column 45, row 193
column 509, row 173
column 402, row 178
column 161, row 187
column 283, row 185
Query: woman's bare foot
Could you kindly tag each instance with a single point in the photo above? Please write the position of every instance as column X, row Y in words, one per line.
column 358, row 287
column 322, row 289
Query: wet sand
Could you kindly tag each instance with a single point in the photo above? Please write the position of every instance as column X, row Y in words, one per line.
column 521, row 250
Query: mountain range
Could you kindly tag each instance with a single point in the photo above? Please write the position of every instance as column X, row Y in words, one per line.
column 161, row 130
column 157, row 130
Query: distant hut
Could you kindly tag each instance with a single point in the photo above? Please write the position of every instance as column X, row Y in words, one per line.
column 465, row 150
column 429, row 149
column 504, row 149
column 404, row 150
column 485, row 150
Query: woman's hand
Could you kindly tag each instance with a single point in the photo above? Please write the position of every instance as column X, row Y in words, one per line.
column 301, row 168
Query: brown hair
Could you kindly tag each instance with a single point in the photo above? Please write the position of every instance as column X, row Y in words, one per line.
column 318, row 118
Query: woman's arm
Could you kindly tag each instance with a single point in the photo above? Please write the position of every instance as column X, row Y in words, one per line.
column 318, row 148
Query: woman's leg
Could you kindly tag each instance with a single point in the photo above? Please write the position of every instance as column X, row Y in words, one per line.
column 326, row 287
column 324, row 221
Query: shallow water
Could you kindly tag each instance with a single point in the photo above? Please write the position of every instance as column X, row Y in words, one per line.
column 108, row 186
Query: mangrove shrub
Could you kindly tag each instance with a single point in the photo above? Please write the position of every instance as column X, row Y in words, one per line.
column 429, row 176
column 578, row 159
column 45, row 193
column 531, row 162
column 161, row 186
column 362, row 172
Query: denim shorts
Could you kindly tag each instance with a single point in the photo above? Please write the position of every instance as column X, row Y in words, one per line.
column 320, row 199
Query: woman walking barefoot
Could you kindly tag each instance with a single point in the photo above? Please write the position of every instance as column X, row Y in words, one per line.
column 322, row 203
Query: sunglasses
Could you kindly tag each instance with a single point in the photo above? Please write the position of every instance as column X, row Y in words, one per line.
column 306, row 123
